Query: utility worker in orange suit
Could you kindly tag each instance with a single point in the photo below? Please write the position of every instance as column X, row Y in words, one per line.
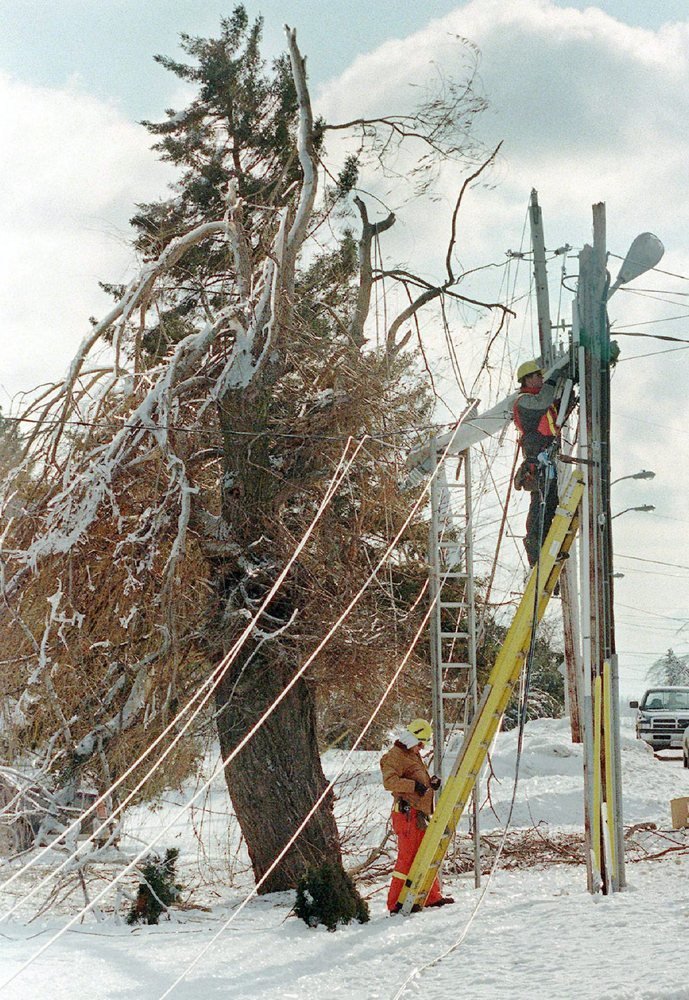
column 535, row 415
column 406, row 776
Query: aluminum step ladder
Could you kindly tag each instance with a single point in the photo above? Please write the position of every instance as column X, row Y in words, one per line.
column 452, row 625
column 495, row 697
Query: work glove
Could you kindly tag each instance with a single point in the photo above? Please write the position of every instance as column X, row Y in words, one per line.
column 420, row 788
column 435, row 782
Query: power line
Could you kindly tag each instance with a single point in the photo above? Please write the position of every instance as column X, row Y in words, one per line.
column 659, row 270
column 250, row 733
column 652, row 354
column 663, row 319
column 668, row 517
column 656, row 291
column 656, row 572
column 650, row 336
column 192, row 429
column 654, row 614
column 660, row 296
column 657, row 562
column 651, row 423
column 644, row 625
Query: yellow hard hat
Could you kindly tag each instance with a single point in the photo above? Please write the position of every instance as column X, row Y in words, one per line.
column 528, row 368
column 421, row 729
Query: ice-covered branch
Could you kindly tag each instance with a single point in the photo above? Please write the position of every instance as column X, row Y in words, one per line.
column 128, row 714
column 241, row 248
column 74, row 508
column 363, row 300
column 307, row 159
column 137, row 293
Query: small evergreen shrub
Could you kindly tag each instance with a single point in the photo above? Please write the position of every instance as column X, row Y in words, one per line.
column 327, row 895
column 158, row 890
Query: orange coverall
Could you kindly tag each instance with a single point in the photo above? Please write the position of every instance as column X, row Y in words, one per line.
column 402, row 768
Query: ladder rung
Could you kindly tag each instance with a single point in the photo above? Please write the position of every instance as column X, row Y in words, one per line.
column 454, row 635
column 452, row 696
column 457, row 665
column 453, row 604
column 454, row 576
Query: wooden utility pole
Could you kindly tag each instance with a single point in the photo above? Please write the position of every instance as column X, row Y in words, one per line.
column 602, row 778
column 545, row 331
column 573, row 664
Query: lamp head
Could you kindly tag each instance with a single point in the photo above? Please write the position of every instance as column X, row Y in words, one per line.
column 644, row 253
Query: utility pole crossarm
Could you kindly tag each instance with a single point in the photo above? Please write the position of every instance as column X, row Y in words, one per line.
column 471, row 430
column 464, row 434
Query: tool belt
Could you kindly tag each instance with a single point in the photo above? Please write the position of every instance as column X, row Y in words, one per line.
column 404, row 807
column 526, row 476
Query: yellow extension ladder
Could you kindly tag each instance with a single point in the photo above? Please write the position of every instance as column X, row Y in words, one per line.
column 494, row 699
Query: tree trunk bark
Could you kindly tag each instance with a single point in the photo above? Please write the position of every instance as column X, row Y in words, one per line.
column 276, row 778
column 274, row 781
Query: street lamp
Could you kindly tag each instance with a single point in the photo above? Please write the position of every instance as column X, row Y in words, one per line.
column 644, row 507
column 644, row 253
column 644, row 474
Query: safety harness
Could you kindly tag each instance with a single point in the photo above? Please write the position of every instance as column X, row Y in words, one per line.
column 537, row 431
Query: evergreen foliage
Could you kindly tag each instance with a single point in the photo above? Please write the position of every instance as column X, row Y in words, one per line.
column 240, row 128
column 546, row 682
column 327, row 895
column 158, row 890
column 670, row 669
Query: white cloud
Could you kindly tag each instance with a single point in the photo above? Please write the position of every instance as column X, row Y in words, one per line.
column 71, row 171
column 587, row 107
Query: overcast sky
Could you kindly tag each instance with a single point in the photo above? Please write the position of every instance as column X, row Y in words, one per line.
column 592, row 103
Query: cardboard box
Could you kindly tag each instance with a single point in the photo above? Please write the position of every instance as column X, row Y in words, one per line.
column 680, row 813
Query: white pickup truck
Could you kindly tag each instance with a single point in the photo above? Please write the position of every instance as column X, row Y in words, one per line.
column 662, row 716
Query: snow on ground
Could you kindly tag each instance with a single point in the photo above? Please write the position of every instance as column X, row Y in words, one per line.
column 537, row 933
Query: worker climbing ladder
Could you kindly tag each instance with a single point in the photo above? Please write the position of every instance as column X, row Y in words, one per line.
column 494, row 699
